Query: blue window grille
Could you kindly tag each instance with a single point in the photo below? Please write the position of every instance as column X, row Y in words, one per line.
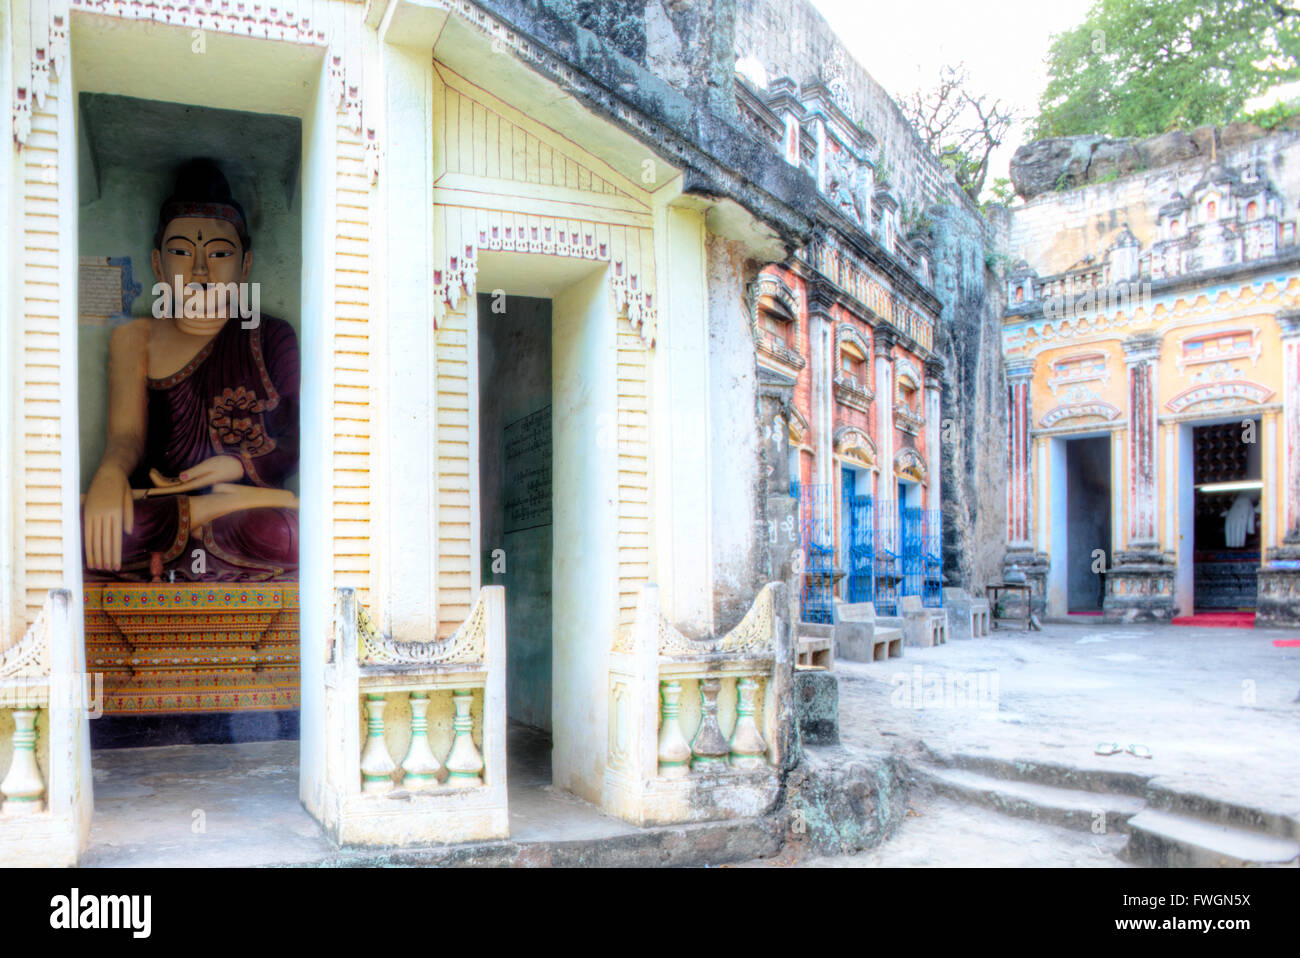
column 889, row 556
column 860, row 549
column 817, row 542
column 932, row 560
column 891, row 551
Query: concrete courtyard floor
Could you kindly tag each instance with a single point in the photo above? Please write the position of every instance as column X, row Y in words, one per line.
column 1219, row 710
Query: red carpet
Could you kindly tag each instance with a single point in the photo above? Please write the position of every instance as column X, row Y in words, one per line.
column 1221, row 620
column 1287, row 643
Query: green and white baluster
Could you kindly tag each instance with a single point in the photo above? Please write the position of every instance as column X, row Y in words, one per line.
column 464, row 764
column 420, row 765
column 709, row 747
column 376, row 764
column 23, row 788
column 748, row 750
column 674, row 750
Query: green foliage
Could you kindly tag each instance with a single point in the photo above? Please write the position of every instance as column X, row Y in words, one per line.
column 1270, row 118
column 1142, row 67
column 883, row 171
column 1001, row 193
column 914, row 220
column 997, row 263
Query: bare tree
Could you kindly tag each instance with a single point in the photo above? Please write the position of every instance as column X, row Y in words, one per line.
column 961, row 129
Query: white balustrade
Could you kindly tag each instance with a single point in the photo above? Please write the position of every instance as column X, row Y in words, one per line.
column 23, row 788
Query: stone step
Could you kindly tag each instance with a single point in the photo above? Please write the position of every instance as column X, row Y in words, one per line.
column 1070, row 808
column 1158, row 794
column 1167, row 840
column 1164, row 796
column 1105, row 780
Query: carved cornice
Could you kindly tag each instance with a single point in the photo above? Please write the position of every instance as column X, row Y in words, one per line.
column 821, row 297
column 1019, row 370
column 885, row 338
column 1144, row 347
column 853, row 394
column 907, row 421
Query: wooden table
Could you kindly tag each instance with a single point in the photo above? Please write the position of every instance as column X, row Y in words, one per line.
column 994, row 588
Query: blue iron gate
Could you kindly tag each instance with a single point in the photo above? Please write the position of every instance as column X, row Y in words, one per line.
column 859, row 549
column 817, row 542
column 891, row 551
column 932, row 559
column 889, row 556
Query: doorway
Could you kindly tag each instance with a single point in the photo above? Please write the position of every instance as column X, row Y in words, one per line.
column 1084, row 538
column 1227, row 484
column 857, row 532
column 516, row 508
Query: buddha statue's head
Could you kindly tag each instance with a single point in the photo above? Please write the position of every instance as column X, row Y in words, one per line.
column 201, row 245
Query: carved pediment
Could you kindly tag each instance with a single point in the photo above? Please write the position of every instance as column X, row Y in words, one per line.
column 1101, row 411
column 1220, row 395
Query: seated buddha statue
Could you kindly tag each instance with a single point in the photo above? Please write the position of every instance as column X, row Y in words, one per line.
column 202, row 413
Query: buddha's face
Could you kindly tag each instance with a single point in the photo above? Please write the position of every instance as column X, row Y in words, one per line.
column 206, row 254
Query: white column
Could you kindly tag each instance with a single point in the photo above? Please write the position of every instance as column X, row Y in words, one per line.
column 1140, row 355
column 680, row 403
column 1019, row 424
column 882, row 349
column 1290, row 324
column 406, row 374
column 821, row 339
column 934, row 431
column 1046, row 464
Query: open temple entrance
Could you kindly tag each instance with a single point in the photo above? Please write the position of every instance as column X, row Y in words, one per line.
column 196, row 632
column 1085, row 541
column 515, row 456
column 1227, row 484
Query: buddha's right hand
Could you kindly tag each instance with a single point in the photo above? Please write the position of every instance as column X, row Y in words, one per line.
column 109, row 511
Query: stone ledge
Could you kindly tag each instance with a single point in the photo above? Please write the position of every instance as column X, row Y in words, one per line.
column 711, row 843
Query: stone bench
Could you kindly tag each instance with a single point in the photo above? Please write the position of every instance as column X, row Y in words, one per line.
column 860, row 637
column 920, row 626
column 968, row 617
column 816, row 647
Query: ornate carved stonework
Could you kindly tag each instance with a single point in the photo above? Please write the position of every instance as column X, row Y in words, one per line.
column 1221, row 395
column 467, row 645
column 853, row 394
column 49, row 50
column 1278, row 600
column 908, row 464
column 752, row 636
column 30, row 657
column 628, row 250
column 852, row 443
column 1139, row 588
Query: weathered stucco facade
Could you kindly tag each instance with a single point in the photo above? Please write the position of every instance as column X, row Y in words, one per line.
column 1153, row 318
column 453, row 155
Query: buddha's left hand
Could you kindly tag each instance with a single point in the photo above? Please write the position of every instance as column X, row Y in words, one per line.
column 207, row 473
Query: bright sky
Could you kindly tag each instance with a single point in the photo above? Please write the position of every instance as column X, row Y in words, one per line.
column 1003, row 44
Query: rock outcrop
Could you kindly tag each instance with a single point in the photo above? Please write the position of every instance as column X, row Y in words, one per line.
column 1066, row 162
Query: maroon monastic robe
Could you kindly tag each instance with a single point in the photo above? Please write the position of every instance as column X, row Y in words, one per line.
column 237, row 397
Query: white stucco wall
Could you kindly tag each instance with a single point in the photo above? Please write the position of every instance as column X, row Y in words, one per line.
column 585, row 482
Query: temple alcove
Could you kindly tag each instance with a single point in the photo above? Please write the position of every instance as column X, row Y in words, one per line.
column 127, row 154
column 238, row 644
